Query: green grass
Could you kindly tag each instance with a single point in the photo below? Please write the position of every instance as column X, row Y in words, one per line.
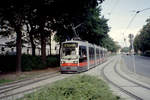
column 2, row 81
column 74, row 88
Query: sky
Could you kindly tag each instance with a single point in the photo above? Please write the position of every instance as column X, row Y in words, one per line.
column 119, row 14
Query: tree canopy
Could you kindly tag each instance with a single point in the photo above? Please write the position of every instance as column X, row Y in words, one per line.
column 142, row 40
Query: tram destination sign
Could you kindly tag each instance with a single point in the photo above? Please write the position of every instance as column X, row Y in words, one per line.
column 70, row 45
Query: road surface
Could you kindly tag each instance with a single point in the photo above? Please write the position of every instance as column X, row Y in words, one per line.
column 142, row 64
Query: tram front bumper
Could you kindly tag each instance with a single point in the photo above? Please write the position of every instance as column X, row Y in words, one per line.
column 69, row 69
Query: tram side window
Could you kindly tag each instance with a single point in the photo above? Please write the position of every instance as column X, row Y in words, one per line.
column 91, row 53
column 82, row 53
column 101, row 54
column 97, row 53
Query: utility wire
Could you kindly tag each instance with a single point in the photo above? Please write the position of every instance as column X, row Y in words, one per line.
column 130, row 22
column 113, row 7
column 143, row 10
column 135, row 16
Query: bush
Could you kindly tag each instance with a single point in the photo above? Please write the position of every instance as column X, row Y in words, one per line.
column 52, row 61
column 7, row 63
column 74, row 88
column 29, row 62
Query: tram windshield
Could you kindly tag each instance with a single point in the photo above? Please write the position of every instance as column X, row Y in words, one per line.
column 69, row 50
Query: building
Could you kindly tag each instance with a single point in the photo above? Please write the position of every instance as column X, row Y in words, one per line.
column 26, row 49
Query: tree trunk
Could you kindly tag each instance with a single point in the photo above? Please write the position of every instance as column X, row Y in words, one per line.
column 43, row 48
column 31, row 38
column 43, row 40
column 50, row 46
column 60, row 48
column 18, row 48
column 32, row 43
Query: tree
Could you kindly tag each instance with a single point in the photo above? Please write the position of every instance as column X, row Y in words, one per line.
column 110, row 44
column 142, row 41
column 125, row 49
column 136, row 43
column 94, row 27
column 12, row 13
column 87, row 16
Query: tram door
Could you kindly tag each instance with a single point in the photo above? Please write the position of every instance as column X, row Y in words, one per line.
column 91, row 56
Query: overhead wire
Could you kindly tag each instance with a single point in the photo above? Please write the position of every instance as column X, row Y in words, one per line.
column 130, row 22
column 113, row 8
column 143, row 10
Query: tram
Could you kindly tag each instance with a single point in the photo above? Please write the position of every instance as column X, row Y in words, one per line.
column 78, row 56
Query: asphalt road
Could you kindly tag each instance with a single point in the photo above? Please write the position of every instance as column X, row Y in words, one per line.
column 142, row 64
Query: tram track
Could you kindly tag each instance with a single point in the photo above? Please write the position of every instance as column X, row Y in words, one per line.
column 16, row 85
column 25, row 81
column 119, row 87
column 7, row 91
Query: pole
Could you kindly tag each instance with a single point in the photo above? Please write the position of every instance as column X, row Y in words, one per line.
column 133, row 58
column 132, row 52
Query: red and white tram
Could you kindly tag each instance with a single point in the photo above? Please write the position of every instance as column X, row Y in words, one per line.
column 78, row 56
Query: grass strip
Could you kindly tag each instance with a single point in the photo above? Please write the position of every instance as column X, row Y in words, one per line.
column 2, row 81
column 80, row 87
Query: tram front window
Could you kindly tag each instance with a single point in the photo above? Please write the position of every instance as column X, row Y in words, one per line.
column 69, row 50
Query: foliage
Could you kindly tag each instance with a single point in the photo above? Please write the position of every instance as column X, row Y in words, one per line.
column 7, row 63
column 92, row 28
column 28, row 62
column 2, row 81
column 34, row 62
column 95, row 27
column 110, row 44
column 52, row 61
column 83, row 87
column 136, row 43
column 31, row 62
column 142, row 41
column 125, row 49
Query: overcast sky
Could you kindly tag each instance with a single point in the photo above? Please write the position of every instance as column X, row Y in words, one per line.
column 120, row 12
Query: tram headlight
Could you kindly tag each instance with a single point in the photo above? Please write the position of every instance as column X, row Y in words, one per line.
column 62, row 62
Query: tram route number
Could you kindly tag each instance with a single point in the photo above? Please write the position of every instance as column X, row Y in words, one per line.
column 70, row 45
